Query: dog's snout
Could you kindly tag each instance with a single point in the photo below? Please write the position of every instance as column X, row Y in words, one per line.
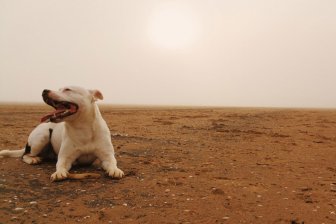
column 45, row 93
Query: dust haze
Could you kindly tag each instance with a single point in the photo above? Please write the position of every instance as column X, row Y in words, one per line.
column 239, row 53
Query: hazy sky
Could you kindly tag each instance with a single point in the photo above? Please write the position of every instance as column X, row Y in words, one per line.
column 183, row 52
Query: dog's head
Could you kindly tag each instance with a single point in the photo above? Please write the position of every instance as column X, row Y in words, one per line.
column 69, row 102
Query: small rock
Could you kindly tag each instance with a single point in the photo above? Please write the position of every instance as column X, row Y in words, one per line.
column 33, row 202
column 18, row 209
column 45, row 215
column 217, row 191
column 306, row 189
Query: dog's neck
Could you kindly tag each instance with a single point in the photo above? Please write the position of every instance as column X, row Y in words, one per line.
column 87, row 121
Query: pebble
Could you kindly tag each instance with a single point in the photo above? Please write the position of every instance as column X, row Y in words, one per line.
column 306, row 189
column 226, row 218
column 33, row 202
column 18, row 209
column 217, row 191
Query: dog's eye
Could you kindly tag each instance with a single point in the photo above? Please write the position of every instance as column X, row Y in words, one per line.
column 66, row 90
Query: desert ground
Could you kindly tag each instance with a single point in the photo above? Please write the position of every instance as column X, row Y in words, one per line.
column 183, row 165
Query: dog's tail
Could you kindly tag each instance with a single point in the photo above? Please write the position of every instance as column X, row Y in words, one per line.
column 12, row 153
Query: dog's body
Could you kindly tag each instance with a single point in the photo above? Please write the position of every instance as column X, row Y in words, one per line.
column 77, row 133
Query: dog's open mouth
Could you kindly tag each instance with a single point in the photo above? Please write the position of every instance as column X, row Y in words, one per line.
column 63, row 109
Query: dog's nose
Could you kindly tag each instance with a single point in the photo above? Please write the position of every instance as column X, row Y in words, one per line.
column 45, row 93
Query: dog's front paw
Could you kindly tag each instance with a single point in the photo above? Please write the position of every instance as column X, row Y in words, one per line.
column 115, row 173
column 59, row 175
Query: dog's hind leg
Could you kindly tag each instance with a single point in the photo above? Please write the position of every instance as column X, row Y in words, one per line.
column 37, row 141
column 30, row 158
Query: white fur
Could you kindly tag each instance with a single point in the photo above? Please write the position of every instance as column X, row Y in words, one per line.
column 11, row 153
column 81, row 138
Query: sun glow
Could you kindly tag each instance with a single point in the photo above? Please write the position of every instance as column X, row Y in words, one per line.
column 172, row 26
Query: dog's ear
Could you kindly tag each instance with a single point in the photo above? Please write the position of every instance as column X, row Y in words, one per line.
column 97, row 95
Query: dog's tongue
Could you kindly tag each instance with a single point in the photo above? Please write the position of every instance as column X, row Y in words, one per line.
column 52, row 114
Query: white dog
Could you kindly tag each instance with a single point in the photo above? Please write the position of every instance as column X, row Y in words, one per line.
column 76, row 132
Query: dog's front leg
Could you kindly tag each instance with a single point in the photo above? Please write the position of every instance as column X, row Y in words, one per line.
column 64, row 163
column 109, row 163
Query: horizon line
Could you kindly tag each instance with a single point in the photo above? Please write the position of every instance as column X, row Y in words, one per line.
column 178, row 106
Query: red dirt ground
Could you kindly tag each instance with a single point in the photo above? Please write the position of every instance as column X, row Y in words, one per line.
column 183, row 166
